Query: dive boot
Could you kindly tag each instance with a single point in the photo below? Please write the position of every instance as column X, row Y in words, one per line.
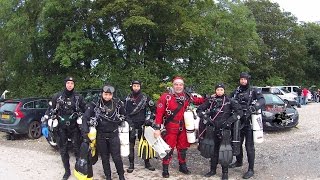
column 148, row 166
column 165, row 172
column 66, row 175
column 248, row 174
column 224, row 176
column 121, row 177
column 235, row 164
column 131, row 168
column 210, row 173
column 183, row 168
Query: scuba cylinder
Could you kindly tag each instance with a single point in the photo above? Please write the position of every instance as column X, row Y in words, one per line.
column 236, row 145
column 124, row 138
column 196, row 118
column 189, row 123
column 257, row 126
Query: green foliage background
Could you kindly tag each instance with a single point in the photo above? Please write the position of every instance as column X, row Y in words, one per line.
column 116, row 41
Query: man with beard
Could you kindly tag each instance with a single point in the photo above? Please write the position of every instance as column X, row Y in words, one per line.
column 67, row 106
column 251, row 100
column 137, row 104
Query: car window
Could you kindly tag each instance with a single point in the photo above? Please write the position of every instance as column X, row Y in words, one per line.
column 41, row 104
column 295, row 89
column 8, row 106
column 275, row 91
column 28, row 105
column 265, row 89
column 285, row 90
column 272, row 99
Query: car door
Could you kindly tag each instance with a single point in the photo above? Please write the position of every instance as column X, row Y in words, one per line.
column 41, row 106
column 28, row 110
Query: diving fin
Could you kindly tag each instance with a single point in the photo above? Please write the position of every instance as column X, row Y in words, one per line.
column 140, row 148
column 81, row 167
column 225, row 151
column 145, row 151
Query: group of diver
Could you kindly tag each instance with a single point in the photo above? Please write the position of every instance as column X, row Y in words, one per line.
column 95, row 128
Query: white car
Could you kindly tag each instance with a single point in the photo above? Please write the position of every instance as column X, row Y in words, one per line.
column 294, row 89
column 282, row 93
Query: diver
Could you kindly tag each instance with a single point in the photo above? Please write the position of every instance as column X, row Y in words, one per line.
column 67, row 105
column 251, row 100
column 221, row 112
column 109, row 113
column 137, row 104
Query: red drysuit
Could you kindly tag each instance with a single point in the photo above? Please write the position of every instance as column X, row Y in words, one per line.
column 176, row 135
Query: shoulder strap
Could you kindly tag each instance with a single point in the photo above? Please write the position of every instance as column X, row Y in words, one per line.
column 170, row 118
column 140, row 106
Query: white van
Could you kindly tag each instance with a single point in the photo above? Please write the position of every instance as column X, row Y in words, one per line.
column 281, row 92
column 294, row 89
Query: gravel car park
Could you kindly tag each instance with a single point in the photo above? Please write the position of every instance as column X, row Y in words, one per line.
column 286, row 154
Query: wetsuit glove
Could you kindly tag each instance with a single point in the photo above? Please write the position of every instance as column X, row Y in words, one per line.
column 45, row 131
column 252, row 109
column 226, row 125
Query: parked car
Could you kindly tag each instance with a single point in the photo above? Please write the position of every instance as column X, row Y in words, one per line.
column 2, row 101
column 294, row 89
column 23, row 116
column 288, row 97
column 277, row 114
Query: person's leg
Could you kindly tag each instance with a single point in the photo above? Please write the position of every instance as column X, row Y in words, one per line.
column 250, row 153
column 103, row 148
column 114, row 147
column 132, row 141
column 63, row 149
column 182, row 146
column 171, row 140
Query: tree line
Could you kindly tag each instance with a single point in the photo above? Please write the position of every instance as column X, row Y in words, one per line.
column 116, row 41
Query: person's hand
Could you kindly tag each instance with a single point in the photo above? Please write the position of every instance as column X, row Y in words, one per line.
column 45, row 131
column 200, row 114
column 157, row 133
column 252, row 109
column 226, row 125
column 86, row 139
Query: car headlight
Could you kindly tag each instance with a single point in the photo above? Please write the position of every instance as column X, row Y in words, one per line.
column 267, row 114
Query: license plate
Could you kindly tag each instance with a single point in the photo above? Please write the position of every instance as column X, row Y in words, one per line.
column 5, row 116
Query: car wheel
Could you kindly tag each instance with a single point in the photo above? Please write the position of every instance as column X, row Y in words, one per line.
column 34, row 130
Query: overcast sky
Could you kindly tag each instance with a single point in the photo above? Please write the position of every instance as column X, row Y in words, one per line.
column 304, row 10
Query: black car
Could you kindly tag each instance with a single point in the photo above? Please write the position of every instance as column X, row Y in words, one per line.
column 23, row 116
column 277, row 114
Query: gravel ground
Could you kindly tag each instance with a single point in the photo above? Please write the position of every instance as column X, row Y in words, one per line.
column 289, row 154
